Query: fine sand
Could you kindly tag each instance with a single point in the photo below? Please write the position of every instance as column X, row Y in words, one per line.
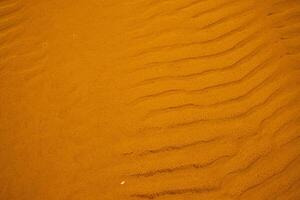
column 149, row 99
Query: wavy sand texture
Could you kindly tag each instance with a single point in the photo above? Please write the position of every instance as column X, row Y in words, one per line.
column 149, row 99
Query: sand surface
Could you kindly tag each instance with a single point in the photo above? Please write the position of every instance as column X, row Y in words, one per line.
column 149, row 99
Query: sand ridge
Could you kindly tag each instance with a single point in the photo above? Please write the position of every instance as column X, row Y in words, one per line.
column 144, row 99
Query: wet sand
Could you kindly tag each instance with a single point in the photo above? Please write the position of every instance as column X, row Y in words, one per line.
column 145, row 99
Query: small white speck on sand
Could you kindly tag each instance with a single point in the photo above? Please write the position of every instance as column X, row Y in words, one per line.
column 122, row 183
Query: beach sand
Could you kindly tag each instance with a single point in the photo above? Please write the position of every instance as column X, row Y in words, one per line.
column 149, row 99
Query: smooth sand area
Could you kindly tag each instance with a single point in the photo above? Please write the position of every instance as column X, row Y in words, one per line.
column 149, row 99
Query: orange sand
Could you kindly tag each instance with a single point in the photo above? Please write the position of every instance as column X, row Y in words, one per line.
column 149, row 99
